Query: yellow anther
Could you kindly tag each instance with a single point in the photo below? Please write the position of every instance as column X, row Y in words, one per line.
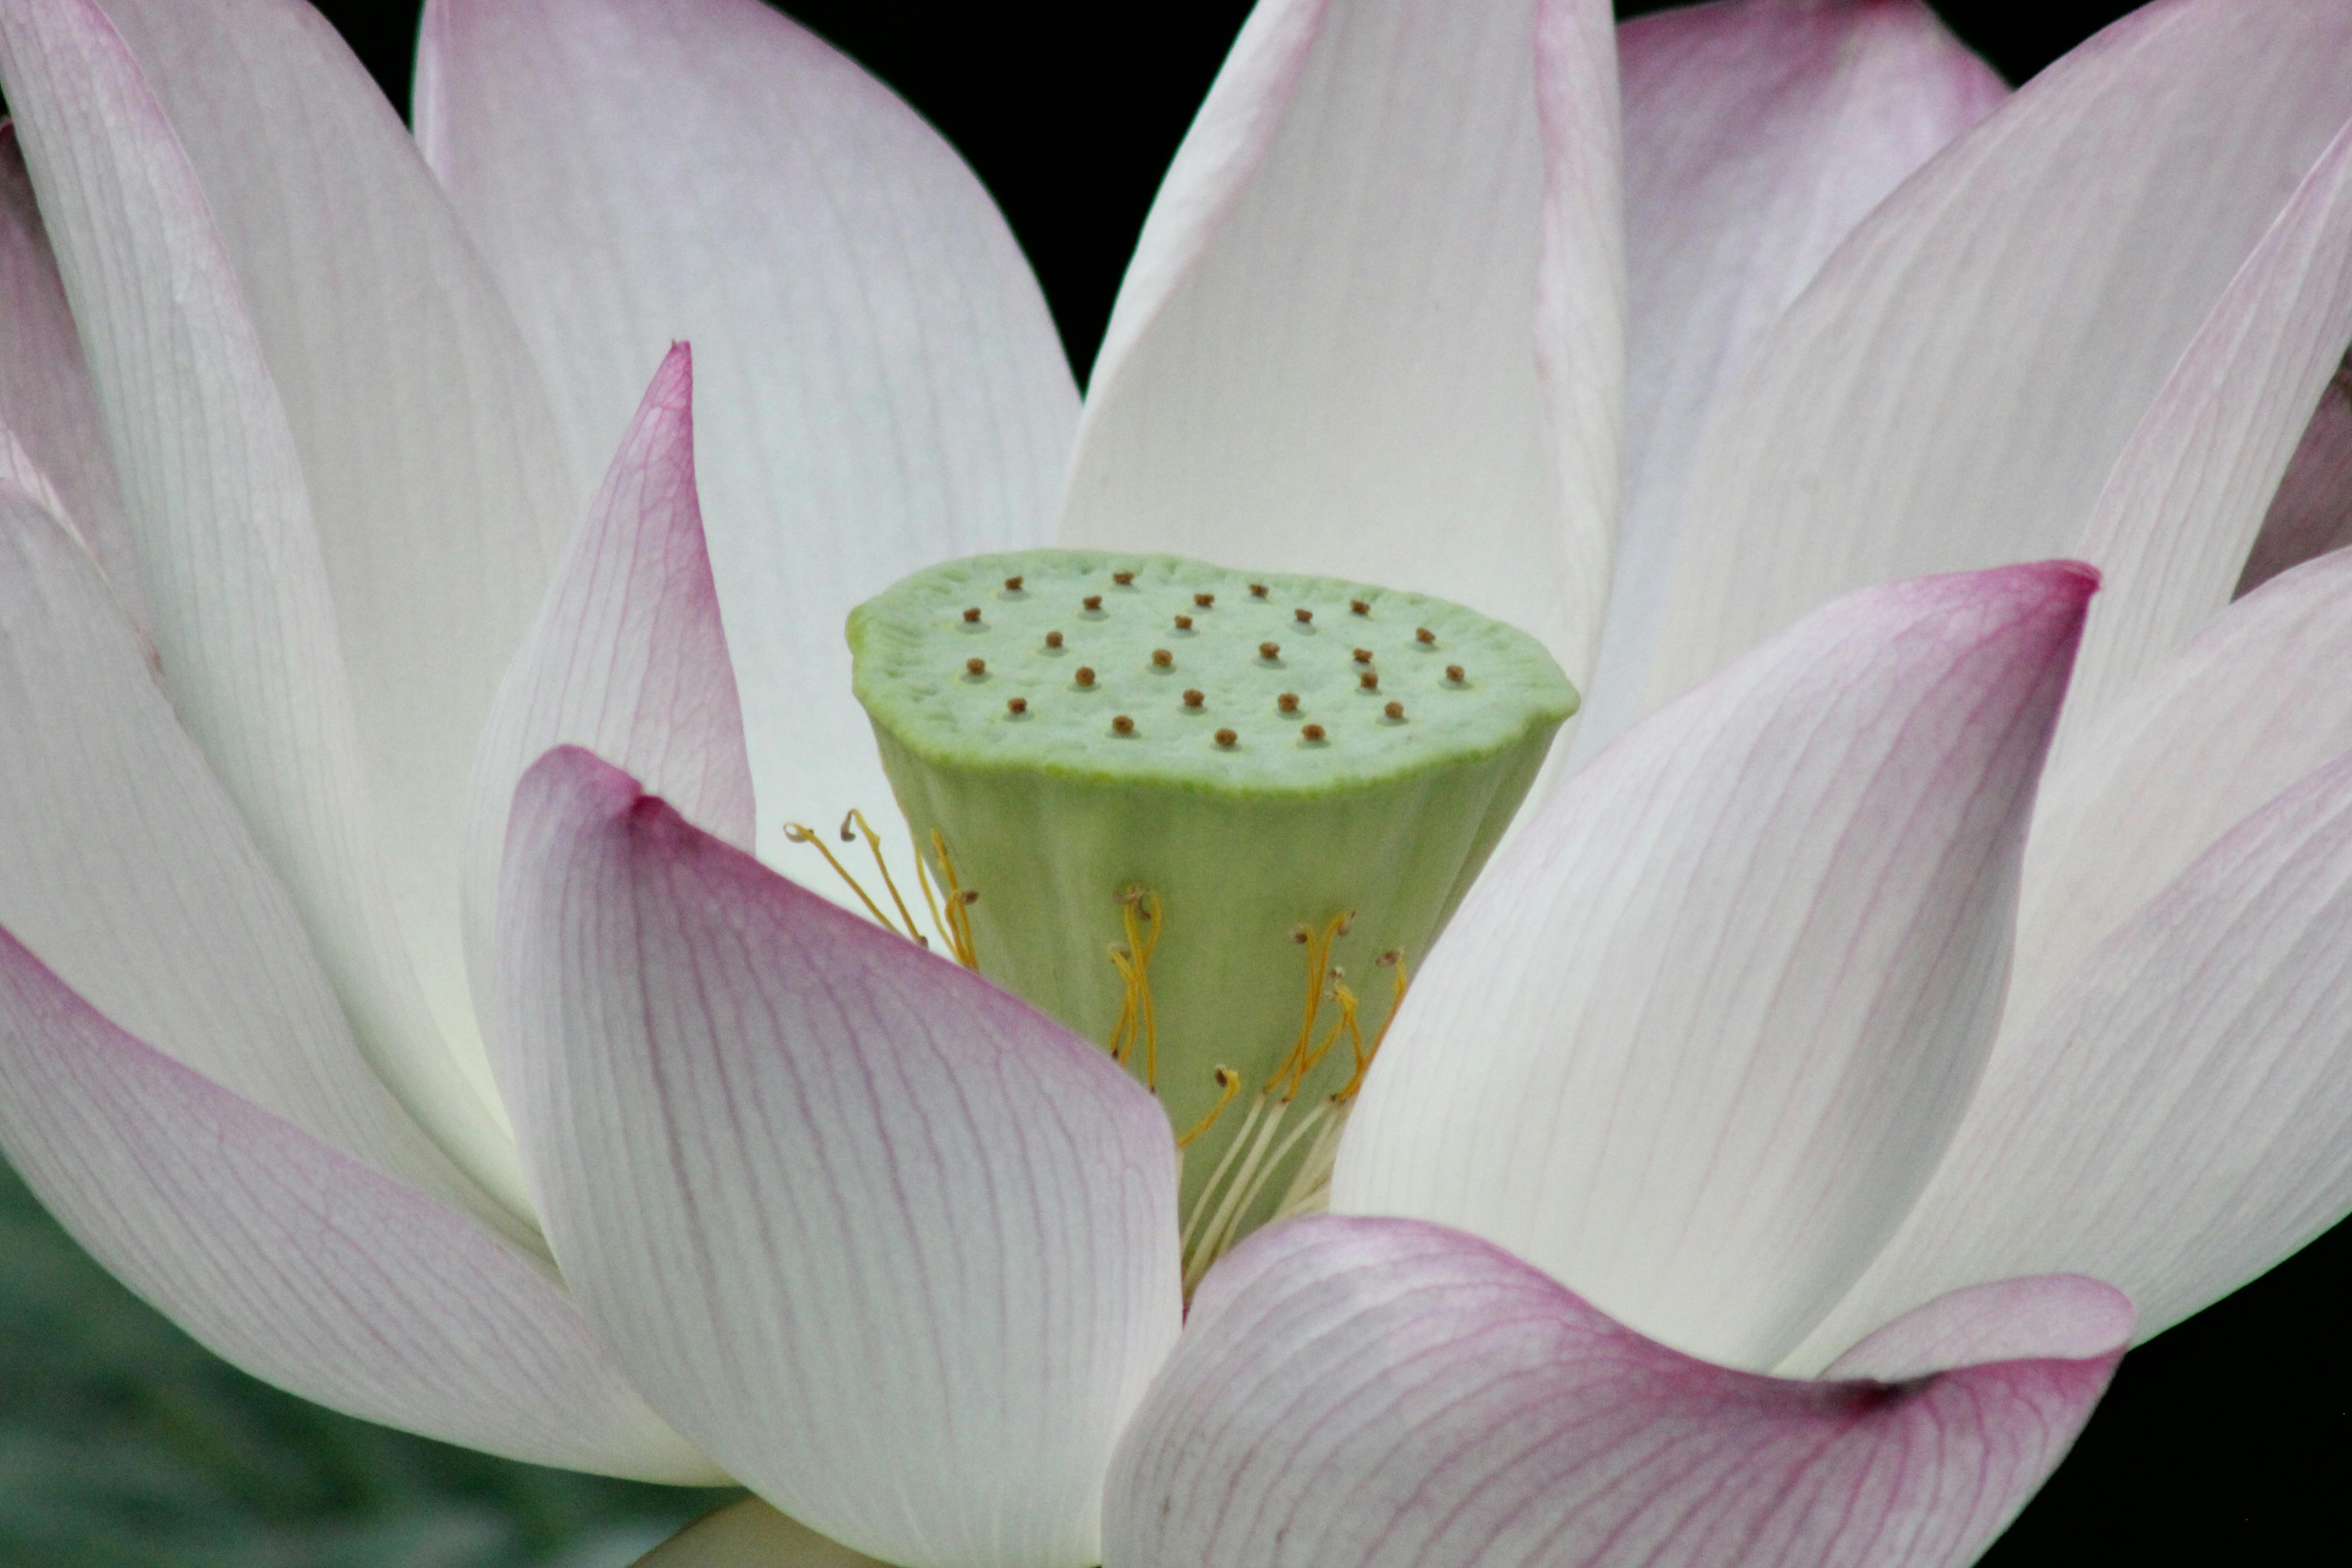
column 794, row 833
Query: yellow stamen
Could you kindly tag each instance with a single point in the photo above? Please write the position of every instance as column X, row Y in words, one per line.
column 1229, row 1084
column 1364, row 1055
column 959, row 900
column 873, row 843
column 794, row 833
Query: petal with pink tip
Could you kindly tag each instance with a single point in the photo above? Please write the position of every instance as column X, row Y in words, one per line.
column 1694, row 1044
column 627, row 658
column 2185, row 502
column 891, row 1245
column 2178, row 1116
column 2256, row 702
column 882, row 385
column 297, row 1262
column 127, row 869
column 1957, row 383
column 427, row 448
column 1382, row 1394
column 2312, row 512
column 45, row 399
column 219, row 509
column 1758, row 133
column 1374, row 323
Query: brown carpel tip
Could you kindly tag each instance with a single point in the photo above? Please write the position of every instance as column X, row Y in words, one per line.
column 1363, row 655
column 1287, row 702
column 971, row 616
column 1453, row 673
column 1257, row 590
column 1195, row 699
column 975, row 667
column 1313, row 732
column 1013, row 585
column 1123, row 579
column 1227, row 738
column 1370, row 680
column 1184, row 623
column 1086, row 676
column 1361, row 606
column 1122, row 725
column 1269, row 650
column 1161, row 659
column 1304, row 616
column 1053, row 639
column 1204, row 600
column 1019, row 705
column 1422, row 634
column 1092, row 602
column 1394, row 710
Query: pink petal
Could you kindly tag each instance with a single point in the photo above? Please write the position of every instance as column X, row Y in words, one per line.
column 1373, row 1393
column 1696, row 1038
column 46, row 400
column 2178, row 1116
column 2256, row 702
column 219, row 507
column 1374, row 323
column 1957, row 383
column 298, row 1263
column 882, row 385
column 426, row 447
column 2187, row 499
column 127, row 869
column 2312, row 513
column 627, row 658
column 895, row 1248
column 1758, row 133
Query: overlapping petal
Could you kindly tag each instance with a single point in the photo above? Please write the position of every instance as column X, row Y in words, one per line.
column 2312, row 513
column 220, row 511
column 1696, row 1044
column 1379, row 1393
column 626, row 658
column 1373, row 325
column 1954, row 388
column 2178, row 1116
column 296, row 1261
column 1758, row 133
column 427, row 450
column 895, row 1248
column 881, row 383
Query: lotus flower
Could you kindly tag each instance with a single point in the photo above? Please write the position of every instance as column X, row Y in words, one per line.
column 391, row 992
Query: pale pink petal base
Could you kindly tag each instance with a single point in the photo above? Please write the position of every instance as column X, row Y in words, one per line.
column 893, row 1247
column 1379, row 1393
column 297, row 1262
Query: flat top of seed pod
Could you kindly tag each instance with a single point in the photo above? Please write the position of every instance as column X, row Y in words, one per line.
column 960, row 663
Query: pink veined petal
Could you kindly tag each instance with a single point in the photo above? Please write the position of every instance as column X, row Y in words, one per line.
column 1383, row 1394
column 296, row 1261
column 2185, row 502
column 627, row 658
column 891, row 1245
column 1758, row 133
column 1955, row 387
column 2312, row 513
column 220, row 511
column 127, row 869
column 750, row 1534
column 2256, row 702
column 1374, row 323
column 1694, row 1044
column 428, row 450
column 46, row 398
column 882, row 385
column 2178, row 1116
column 2069, row 1316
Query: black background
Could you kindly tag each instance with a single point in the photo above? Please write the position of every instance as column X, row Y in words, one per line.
column 2226, row 1439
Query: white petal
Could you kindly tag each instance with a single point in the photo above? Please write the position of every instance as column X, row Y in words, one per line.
column 881, row 384
column 2179, row 1116
column 1374, row 324
column 45, row 399
column 1693, row 1043
column 297, row 1262
column 627, row 658
column 437, row 485
column 220, row 510
column 128, row 871
column 2187, row 500
column 1758, row 133
column 1379, row 1394
column 894, row 1247
column 1955, row 387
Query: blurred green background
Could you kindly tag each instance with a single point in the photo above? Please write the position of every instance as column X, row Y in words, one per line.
column 124, row 1444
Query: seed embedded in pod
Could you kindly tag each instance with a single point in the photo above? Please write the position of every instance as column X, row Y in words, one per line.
column 1287, row 702
column 1122, row 725
column 1184, row 623
column 1361, row 606
column 1453, row 674
column 1424, row 635
column 1195, row 699
column 975, row 667
column 1017, row 706
column 1161, row 659
column 1204, row 600
column 1370, row 680
column 1086, row 676
column 971, row 616
column 1091, row 602
column 1123, row 579
column 1013, row 585
column 1227, row 738
column 1313, row 732
column 1304, row 616
column 1053, row 639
